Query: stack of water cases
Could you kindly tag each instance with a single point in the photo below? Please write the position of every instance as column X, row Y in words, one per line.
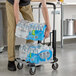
column 35, row 53
column 30, row 30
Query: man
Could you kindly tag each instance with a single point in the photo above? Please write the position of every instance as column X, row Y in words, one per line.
column 13, row 7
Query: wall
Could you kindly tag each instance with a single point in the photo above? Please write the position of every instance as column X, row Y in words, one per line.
column 46, row 0
column 70, row 1
column 70, row 13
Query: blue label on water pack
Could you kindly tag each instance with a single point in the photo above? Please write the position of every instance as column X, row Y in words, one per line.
column 43, row 56
column 36, row 35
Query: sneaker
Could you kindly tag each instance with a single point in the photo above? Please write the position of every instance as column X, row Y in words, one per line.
column 11, row 66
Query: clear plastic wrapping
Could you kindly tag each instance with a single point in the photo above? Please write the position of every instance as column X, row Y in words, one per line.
column 35, row 53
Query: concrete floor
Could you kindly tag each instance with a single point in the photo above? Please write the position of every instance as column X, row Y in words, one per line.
column 67, row 64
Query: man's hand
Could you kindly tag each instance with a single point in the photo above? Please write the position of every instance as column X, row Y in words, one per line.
column 46, row 18
column 47, row 32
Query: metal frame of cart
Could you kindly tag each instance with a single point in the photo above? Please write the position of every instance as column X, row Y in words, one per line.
column 32, row 69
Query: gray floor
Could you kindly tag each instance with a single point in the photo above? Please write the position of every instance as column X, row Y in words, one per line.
column 67, row 64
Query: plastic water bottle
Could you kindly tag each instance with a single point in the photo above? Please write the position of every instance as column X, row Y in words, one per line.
column 21, row 53
column 22, row 29
column 48, row 54
column 41, row 55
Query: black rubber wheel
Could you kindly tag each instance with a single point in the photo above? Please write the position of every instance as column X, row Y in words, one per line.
column 55, row 66
column 20, row 66
column 31, row 71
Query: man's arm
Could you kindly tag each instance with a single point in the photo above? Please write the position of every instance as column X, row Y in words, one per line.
column 16, row 10
column 46, row 17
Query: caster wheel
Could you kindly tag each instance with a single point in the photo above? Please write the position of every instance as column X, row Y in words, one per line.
column 20, row 66
column 32, row 70
column 55, row 66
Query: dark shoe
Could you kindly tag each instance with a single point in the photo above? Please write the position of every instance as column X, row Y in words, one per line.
column 11, row 66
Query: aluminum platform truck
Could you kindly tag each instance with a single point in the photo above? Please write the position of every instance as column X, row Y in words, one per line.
column 54, row 60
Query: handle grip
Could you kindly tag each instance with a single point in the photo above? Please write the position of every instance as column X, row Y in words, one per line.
column 54, row 6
